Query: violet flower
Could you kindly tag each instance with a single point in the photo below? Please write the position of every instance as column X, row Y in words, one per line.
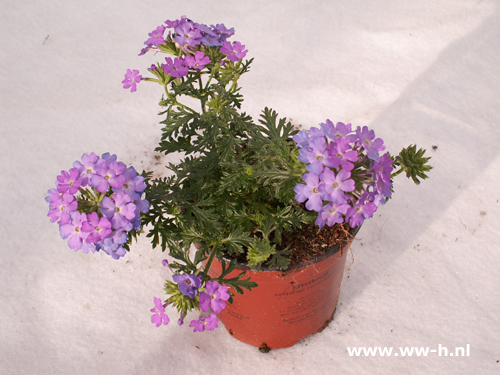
column 382, row 175
column 141, row 205
column 187, row 35
column 315, row 133
column 173, row 24
column 341, row 154
column 331, row 214
column 156, row 37
column 204, row 29
column 371, row 145
column 159, row 315
column 316, row 155
column 337, row 131
column 133, row 184
column 309, row 192
column 210, row 40
column 210, row 36
column 109, row 159
column 198, row 61
column 222, row 32
column 181, row 319
column 60, row 208
column 188, row 284
column 362, row 210
column 383, row 168
column 73, row 230
column 52, row 194
column 69, row 181
column 111, row 247
column 235, row 51
column 107, row 176
column 119, row 209
column 209, row 323
column 98, row 228
column 86, row 167
column 332, row 187
column 217, row 35
column 214, row 298
column 132, row 78
column 301, row 138
column 119, row 236
column 145, row 50
column 175, row 68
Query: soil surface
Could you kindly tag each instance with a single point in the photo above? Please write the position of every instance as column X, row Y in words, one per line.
column 310, row 241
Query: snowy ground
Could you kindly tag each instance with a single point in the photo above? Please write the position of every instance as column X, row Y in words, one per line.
column 425, row 270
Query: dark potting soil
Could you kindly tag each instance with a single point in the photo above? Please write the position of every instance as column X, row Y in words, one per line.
column 310, row 241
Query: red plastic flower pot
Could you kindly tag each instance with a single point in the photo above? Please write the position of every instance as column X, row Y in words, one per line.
column 286, row 306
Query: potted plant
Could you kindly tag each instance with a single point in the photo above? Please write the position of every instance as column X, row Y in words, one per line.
column 254, row 215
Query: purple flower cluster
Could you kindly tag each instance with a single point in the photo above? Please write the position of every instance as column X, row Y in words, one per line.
column 188, row 34
column 96, row 203
column 344, row 170
column 212, row 297
column 179, row 67
column 192, row 38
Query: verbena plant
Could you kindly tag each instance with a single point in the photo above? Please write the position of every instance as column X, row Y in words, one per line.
column 239, row 185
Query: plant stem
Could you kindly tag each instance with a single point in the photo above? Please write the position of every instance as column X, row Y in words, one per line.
column 203, row 93
column 233, row 86
column 210, row 260
column 184, row 106
column 210, row 78
column 397, row 172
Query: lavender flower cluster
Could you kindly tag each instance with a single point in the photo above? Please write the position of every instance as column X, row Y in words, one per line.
column 211, row 300
column 345, row 171
column 96, row 203
column 192, row 38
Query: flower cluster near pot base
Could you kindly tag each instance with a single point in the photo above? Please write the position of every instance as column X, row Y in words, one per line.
column 345, row 171
column 96, row 203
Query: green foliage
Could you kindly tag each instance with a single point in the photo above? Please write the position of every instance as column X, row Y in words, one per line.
column 236, row 282
column 260, row 251
column 279, row 260
column 413, row 163
column 232, row 192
